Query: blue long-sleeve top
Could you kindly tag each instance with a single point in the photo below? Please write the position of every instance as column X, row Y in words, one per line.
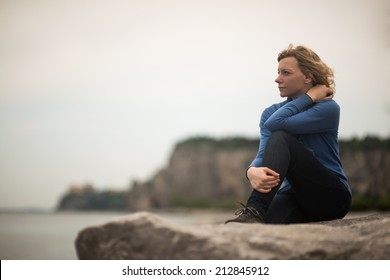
column 314, row 124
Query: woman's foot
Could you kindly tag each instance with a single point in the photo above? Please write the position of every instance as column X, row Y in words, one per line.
column 247, row 215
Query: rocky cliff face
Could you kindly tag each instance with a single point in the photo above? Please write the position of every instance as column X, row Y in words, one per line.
column 203, row 170
column 368, row 170
column 198, row 170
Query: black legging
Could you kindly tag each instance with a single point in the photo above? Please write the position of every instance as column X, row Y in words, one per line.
column 317, row 194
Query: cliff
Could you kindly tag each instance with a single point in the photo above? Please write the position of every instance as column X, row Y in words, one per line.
column 205, row 172
column 201, row 172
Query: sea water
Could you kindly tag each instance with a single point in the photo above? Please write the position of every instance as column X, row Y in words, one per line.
column 51, row 235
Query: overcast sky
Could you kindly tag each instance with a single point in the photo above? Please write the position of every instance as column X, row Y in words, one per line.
column 100, row 91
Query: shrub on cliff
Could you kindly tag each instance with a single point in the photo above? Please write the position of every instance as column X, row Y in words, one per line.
column 87, row 198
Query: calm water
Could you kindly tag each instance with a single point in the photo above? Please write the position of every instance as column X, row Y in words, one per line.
column 51, row 236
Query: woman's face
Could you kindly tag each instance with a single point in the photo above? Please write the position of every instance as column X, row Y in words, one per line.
column 291, row 81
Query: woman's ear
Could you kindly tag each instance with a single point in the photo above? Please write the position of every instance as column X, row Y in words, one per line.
column 308, row 80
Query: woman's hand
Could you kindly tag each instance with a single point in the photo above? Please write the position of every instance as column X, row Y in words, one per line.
column 320, row 93
column 263, row 179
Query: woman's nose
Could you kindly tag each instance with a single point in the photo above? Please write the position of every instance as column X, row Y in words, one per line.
column 278, row 79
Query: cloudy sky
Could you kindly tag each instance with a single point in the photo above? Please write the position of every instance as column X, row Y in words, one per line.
column 100, row 91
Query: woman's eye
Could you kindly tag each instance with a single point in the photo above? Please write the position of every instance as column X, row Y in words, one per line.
column 284, row 73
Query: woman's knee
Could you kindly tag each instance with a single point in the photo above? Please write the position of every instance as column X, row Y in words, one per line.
column 281, row 135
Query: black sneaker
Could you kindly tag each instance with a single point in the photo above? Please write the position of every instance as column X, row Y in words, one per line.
column 247, row 215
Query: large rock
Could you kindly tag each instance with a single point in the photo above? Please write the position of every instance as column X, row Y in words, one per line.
column 145, row 236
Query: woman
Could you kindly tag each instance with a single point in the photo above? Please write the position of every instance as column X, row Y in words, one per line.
column 297, row 176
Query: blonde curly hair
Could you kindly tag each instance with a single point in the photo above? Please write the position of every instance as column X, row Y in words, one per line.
column 311, row 65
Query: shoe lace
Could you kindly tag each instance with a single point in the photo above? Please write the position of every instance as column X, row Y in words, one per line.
column 247, row 210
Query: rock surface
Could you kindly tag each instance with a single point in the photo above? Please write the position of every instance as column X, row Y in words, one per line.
column 146, row 236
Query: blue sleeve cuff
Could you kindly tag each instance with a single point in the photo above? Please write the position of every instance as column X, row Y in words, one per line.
column 256, row 162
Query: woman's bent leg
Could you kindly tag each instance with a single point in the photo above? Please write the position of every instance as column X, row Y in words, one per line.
column 285, row 209
column 318, row 191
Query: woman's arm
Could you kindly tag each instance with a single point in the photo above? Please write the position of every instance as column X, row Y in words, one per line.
column 263, row 179
column 265, row 133
column 304, row 116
